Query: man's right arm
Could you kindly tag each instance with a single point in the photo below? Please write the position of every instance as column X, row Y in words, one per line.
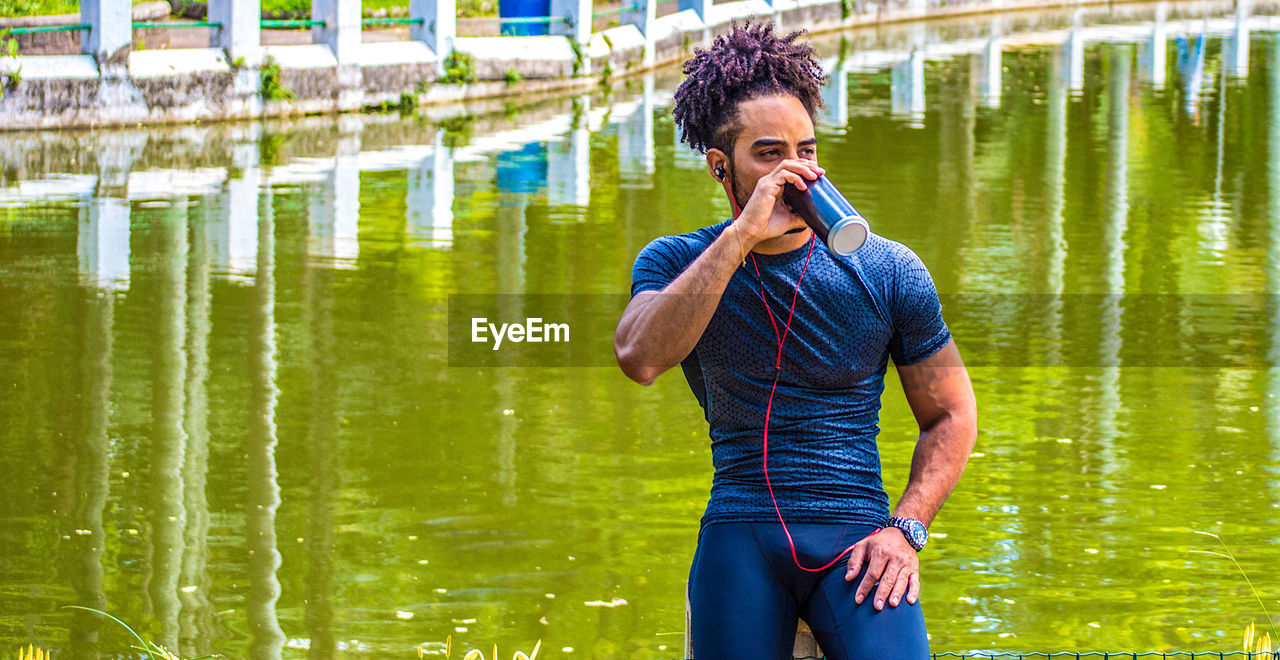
column 659, row 329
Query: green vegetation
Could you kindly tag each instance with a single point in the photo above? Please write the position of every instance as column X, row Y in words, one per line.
column 458, row 131
column 18, row 8
column 9, row 48
column 153, row 650
column 406, row 104
column 477, row 8
column 513, row 77
column 271, row 88
column 579, row 56
column 459, row 69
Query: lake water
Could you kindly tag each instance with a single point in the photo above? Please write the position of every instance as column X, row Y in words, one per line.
column 232, row 418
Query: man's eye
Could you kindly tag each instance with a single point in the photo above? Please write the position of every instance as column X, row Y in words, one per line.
column 809, row 150
column 770, row 153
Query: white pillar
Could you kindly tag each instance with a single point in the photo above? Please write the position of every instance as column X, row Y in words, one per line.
column 644, row 18
column 240, row 35
column 578, row 27
column 429, row 199
column 439, row 26
column 111, row 28
column 341, row 29
column 569, row 167
column 701, row 7
column 102, row 243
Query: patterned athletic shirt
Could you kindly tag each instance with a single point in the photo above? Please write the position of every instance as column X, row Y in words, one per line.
column 853, row 313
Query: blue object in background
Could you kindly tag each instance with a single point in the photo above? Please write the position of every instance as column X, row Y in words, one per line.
column 523, row 9
column 523, row 170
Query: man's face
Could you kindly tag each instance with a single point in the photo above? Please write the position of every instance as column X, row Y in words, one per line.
column 774, row 128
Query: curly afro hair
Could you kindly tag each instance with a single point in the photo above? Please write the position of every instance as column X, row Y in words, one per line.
column 749, row 62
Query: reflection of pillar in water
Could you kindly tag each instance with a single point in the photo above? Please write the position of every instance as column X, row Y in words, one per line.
column 506, row 387
column 264, row 493
column 1235, row 46
column 1073, row 55
column 510, row 258
column 102, row 243
column 429, row 200
column 1113, row 249
column 635, row 139
column 1215, row 228
column 1153, row 53
column 686, row 155
column 233, row 239
column 322, row 441
column 1273, row 259
column 569, row 162
column 168, row 433
column 92, row 465
column 907, row 85
column 335, row 209
column 197, row 612
column 990, row 68
column 1055, row 184
column 116, row 153
column 836, row 95
column 1191, row 71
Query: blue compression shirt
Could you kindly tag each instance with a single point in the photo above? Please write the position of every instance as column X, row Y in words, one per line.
column 853, row 313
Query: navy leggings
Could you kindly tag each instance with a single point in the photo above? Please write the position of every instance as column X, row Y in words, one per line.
column 745, row 594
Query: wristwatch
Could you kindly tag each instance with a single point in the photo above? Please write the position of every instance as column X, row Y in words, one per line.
column 913, row 529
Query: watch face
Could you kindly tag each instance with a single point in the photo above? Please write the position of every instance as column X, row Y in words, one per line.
column 917, row 532
column 914, row 530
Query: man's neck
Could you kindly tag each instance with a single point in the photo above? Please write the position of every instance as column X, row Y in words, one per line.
column 783, row 243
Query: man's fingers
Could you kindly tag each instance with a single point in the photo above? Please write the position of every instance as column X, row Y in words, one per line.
column 913, row 589
column 855, row 562
column 874, row 569
column 807, row 168
column 900, row 586
column 888, row 582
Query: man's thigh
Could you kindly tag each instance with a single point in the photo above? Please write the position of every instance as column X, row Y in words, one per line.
column 738, row 608
column 848, row 631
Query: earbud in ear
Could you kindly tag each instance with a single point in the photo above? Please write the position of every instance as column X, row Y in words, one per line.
column 720, row 173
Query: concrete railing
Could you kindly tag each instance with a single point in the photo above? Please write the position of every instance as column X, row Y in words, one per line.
column 112, row 84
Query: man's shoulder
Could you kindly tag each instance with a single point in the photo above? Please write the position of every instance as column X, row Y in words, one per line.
column 883, row 254
column 684, row 247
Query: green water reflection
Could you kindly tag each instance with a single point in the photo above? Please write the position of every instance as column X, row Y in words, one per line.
column 228, row 417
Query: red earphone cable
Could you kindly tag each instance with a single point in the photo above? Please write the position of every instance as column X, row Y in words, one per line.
column 777, row 365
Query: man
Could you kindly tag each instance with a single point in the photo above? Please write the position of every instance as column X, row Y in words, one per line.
column 786, row 346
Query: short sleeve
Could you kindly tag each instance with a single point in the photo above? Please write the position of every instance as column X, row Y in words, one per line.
column 660, row 262
column 918, row 328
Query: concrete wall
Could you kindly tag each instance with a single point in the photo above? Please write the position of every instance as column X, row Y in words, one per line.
column 342, row 74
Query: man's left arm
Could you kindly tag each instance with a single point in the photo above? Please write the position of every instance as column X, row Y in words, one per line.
column 941, row 398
